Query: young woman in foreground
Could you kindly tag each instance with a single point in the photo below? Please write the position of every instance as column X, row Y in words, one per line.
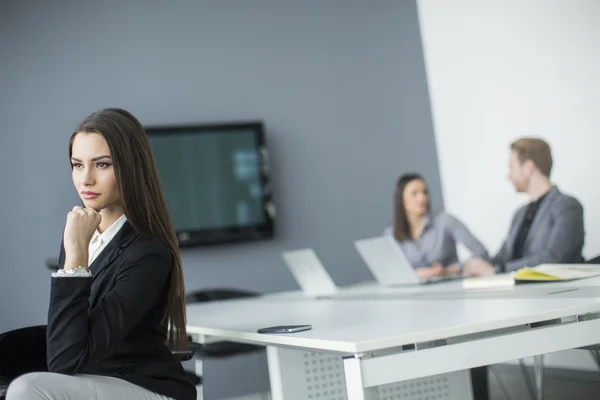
column 117, row 305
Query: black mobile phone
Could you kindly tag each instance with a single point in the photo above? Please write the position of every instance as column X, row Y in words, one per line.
column 285, row 329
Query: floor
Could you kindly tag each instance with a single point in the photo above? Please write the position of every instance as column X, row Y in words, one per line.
column 559, row 385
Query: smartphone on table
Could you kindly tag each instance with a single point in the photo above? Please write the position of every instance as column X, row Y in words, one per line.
column 285, row 329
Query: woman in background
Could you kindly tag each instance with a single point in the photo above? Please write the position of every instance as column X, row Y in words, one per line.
column 428, row 239
column 429, row 242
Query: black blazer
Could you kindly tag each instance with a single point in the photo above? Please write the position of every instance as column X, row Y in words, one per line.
column 110, row 324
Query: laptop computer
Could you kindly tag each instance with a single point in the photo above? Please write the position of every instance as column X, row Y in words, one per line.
column 388, row 264
column 309, row 273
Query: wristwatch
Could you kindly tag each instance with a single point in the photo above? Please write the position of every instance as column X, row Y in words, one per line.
column 77, row 271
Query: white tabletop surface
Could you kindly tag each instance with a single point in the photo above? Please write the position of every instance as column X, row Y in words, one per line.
column 371, row 322
column 454, row 289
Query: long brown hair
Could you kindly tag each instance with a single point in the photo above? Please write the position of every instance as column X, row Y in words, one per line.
column 402, row 228
column 143, row 201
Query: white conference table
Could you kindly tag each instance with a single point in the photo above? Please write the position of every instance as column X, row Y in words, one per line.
column 385, row 335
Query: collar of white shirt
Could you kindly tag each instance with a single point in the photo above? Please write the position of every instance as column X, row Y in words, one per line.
column 100, row 240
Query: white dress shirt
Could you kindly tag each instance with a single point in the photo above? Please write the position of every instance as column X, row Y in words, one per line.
column 98, row 243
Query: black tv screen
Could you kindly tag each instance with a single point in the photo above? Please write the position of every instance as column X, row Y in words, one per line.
column 215, row 180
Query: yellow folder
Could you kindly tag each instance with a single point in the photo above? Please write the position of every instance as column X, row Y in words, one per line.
column 557, row 272
column 540, row 273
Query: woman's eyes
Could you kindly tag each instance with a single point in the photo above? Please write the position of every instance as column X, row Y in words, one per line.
column 100, row 165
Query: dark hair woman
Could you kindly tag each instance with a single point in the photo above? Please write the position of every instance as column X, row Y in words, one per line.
column 428, row 239
column 117, row 305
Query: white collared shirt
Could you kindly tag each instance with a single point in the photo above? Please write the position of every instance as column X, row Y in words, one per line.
column 97, row 245
column 101, row 240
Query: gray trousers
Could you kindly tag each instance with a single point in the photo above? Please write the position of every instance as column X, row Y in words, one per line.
column 51, row 386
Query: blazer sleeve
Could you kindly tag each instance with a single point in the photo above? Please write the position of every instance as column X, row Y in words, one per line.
column 502, row 255
column 564, row 241
column 460, row 233
column 76, row 335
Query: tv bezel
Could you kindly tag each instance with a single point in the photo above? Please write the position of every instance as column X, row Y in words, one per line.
column 228, row 234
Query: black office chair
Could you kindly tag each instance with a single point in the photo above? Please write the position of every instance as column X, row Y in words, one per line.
column 52, row 264
column 21, row 351
column 221, row 349
column 24, row 350
column 186, row 356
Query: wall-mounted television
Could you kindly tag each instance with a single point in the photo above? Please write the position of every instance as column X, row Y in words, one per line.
column 216, row 181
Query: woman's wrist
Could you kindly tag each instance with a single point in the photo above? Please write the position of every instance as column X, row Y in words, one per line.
column 76, row 246
column 75, row 259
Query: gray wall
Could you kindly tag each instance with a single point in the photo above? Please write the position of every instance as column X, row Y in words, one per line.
column 340, row 85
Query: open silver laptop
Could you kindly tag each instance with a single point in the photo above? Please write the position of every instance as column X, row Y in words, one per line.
column 386, row 260
column 309, row 273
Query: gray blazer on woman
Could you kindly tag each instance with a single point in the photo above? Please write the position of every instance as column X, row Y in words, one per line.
column 437, row 243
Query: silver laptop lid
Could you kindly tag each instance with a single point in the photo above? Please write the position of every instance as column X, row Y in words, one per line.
column 386, row 261
column 309, row 273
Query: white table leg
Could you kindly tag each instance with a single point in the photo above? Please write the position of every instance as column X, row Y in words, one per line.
column 198, row 371
column 198, row 367
column 539, row 376
column 355, row 387
column 275, row 373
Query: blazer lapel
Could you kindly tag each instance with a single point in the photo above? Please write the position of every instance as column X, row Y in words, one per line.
column 542, row 214
column 514, row 230
column 113, row 249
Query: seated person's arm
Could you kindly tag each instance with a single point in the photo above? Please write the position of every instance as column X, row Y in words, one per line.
column 500, row 257
column 496, row 265
column 432, row 271
column 77, row 335
column 460, row 233
column 563, row 242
